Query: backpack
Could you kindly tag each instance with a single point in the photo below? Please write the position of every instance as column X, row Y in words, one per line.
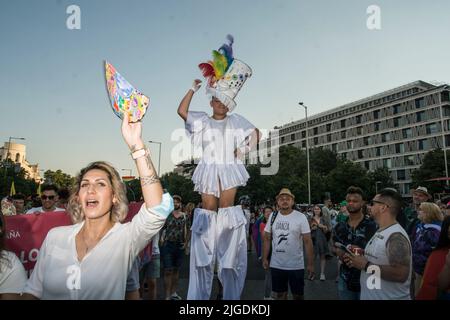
column 274, row 216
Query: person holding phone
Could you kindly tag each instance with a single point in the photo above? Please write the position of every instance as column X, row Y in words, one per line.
column 355, row 230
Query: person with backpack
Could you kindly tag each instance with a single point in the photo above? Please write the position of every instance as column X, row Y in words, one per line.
column 288, row 232
column 267, row 278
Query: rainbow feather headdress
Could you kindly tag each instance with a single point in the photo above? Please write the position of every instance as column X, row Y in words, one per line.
column 225, row 75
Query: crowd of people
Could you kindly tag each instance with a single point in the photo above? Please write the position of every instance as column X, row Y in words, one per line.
column 384, row 249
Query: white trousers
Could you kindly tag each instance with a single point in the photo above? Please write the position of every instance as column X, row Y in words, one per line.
column 218, row 238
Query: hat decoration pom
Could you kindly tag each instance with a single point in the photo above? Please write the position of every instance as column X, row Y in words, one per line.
column 222, row 59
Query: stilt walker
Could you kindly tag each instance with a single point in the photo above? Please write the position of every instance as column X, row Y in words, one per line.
column 219, row 227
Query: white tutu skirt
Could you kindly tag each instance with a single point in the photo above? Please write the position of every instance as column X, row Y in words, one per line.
column 210, row 178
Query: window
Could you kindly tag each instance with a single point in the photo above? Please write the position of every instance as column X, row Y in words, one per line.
column 328, row 127
column 407, row 188
column 343, row 135
column 431, row 128
column 385, row 137
column 359, row 130
column 401, row 174
column 358, row 119
column 445, row 96
column 303, row 134
column 396, row 109
column 316, row 140
column 366, row 141
column 292, row 137
column 396, row 121
column 378, row 151
column 328, row 137
column 376, row 114
column 17, row 157
column 423, row 144
column 399, row 148
column 350, row 144
column 407, row 133
column 360, row 154
column 334, row 147
column 304, row 144
column 282, row 139
column 316, row 130
column 387, row 163
column 343, row 123
column 420, row 116
column 376, row 126
column 367, row 165
column 420, row 103
column 409, row 160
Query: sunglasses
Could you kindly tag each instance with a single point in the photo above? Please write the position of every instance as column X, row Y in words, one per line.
column 372, row 203
column 48, row 197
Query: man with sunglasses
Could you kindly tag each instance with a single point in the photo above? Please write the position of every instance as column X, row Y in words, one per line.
column 49, row 198
column 386, row 264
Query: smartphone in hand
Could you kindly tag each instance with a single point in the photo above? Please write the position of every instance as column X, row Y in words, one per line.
column 344, row 248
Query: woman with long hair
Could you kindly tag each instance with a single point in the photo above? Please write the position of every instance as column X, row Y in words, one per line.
column 92, row 258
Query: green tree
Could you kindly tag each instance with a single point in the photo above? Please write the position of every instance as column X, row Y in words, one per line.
column 177, row 184
column 59, row 178
column 378, row 179
column 346, row 174
column 433, row 166
column 21, row 183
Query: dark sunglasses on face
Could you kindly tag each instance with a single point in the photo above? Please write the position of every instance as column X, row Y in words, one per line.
column 372, row 203
column 48, row 197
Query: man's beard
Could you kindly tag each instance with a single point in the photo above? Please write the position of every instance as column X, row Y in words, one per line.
column 349, row 210
column 177, row 207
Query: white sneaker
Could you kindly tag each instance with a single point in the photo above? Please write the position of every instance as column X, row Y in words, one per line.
column 322, row 277
column 175, row 296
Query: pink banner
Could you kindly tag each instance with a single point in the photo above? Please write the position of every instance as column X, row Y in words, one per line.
column 25, row 233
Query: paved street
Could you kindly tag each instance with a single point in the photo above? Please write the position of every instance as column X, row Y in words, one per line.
column 254, row 285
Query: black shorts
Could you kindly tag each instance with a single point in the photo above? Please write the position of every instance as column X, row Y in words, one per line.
column 281, row 279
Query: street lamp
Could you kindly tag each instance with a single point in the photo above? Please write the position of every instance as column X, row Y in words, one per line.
column 307, row 151
column 159, row 158
column 443, row 143
column 7, row 153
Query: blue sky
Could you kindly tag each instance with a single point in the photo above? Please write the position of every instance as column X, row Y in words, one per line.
column 320, row 52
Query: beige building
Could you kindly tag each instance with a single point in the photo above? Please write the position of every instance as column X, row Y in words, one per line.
column 392, row 129
column 16, row 152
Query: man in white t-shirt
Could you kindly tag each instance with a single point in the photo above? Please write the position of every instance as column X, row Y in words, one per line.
column 49, row 198
column 287, row 234
column 387, row 261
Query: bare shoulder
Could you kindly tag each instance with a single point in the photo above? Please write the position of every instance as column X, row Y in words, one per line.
column 398, row 249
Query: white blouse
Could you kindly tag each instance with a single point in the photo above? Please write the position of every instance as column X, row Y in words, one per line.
column 102, row 274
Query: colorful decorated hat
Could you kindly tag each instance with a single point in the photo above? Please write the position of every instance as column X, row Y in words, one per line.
column 123, row 96
column 225, row 75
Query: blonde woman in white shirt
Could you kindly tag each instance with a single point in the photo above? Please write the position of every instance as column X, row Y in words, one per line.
column 92, row 258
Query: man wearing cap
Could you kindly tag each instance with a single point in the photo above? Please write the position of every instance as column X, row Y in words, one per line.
column 287, row 234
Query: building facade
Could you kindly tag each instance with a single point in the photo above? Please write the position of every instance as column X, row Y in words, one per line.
column 17, row 152
column 392, row 129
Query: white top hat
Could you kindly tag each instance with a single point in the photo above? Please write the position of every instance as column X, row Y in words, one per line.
column 225, row 75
